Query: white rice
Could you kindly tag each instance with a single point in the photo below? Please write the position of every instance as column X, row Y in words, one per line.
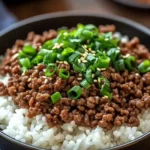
column 15, row 123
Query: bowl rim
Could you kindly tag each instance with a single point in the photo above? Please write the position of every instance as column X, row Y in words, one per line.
column 42, row 17
column 133, row 4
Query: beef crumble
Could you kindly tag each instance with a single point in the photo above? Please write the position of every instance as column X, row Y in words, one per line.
column 131, row 90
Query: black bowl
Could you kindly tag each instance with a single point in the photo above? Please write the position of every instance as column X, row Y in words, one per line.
column 53, row 21
column 133, row 4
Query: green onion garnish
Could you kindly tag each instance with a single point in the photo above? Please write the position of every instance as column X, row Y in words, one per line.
column 130, row 63
column 85, row 84
column 88, row 76
column 64, row 74
column 29, row 50
column 56, row 97
column 75, row 92
column 50, row 70
column 144, row 66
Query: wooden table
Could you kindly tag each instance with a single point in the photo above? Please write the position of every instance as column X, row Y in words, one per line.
column 37, row 7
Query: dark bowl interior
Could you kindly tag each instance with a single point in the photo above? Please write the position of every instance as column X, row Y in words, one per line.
column 53, row 21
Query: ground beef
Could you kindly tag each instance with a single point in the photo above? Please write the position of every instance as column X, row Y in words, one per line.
column 131, row 90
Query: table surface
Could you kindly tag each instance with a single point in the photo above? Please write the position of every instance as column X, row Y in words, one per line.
column 37, row 7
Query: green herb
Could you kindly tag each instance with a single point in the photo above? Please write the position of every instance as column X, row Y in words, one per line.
column 130, row 63
column 64, row 74
column 85, row 84
column 56, row 97
column 50, row 70
column 144, row 66
column 75, row 92
column 29, row 50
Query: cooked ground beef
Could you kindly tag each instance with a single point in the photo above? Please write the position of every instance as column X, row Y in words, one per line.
column 131, row 90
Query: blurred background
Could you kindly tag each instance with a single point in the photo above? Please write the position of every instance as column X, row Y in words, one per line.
column 14, row 10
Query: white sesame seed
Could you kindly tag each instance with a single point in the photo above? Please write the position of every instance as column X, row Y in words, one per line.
column 82, row 58
column 57, row 61
column 95, row 80
column 79, row 60
column 65, row 62
column 93, row 52
column 90, row 49
column 125, row 56
column 84, row 55
column 99, row 80
column 80, row 74
column 50, row 78
column 29, row 79
column 93, row 75
column 137, row 74
column 79, row 79
column 84, row 61
column 102, row 69
column 104, row 97
column 98, row 69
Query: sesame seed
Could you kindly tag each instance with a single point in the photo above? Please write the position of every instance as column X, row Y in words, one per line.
column 93, row 52
column 125, row 56
column 104, row 97
column 95, row 80
column 103, row 69
column 98, row 69
column 80, row 74
column 82, row 58
column 99, row 80
column 29, row 79
column 79, row 60
column 50, row 78
column 84, row 61
column 65, row 62
column 137, row 74
column 90, row 49
column 85, row 46
column 93, row 75
column 79, row 79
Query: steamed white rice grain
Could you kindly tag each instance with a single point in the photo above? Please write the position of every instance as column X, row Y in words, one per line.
column 15, row 123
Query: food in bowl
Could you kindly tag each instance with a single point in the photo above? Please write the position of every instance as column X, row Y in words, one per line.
column 82, row 88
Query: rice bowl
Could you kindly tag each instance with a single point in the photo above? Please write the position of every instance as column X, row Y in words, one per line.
column 68, row 134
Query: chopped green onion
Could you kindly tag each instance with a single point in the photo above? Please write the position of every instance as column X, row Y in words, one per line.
column 50, row 58
column 105, row 87
column 29, row 50
column 64, row 74
column 105, row 91
column 119, row 65
column 144, row 66
column 25, row 62
column 77, row 68
column 37, row 59
column 50, row 70
column 74, row 56
column 75, row 92
column 87, row 34
column 67, row 52
column 130, row 63
column 114, row 54
column 88, row 76
column 103, row 61
column 44, row 52
column 90, row 57
column 85, row 84
column 56, row 97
